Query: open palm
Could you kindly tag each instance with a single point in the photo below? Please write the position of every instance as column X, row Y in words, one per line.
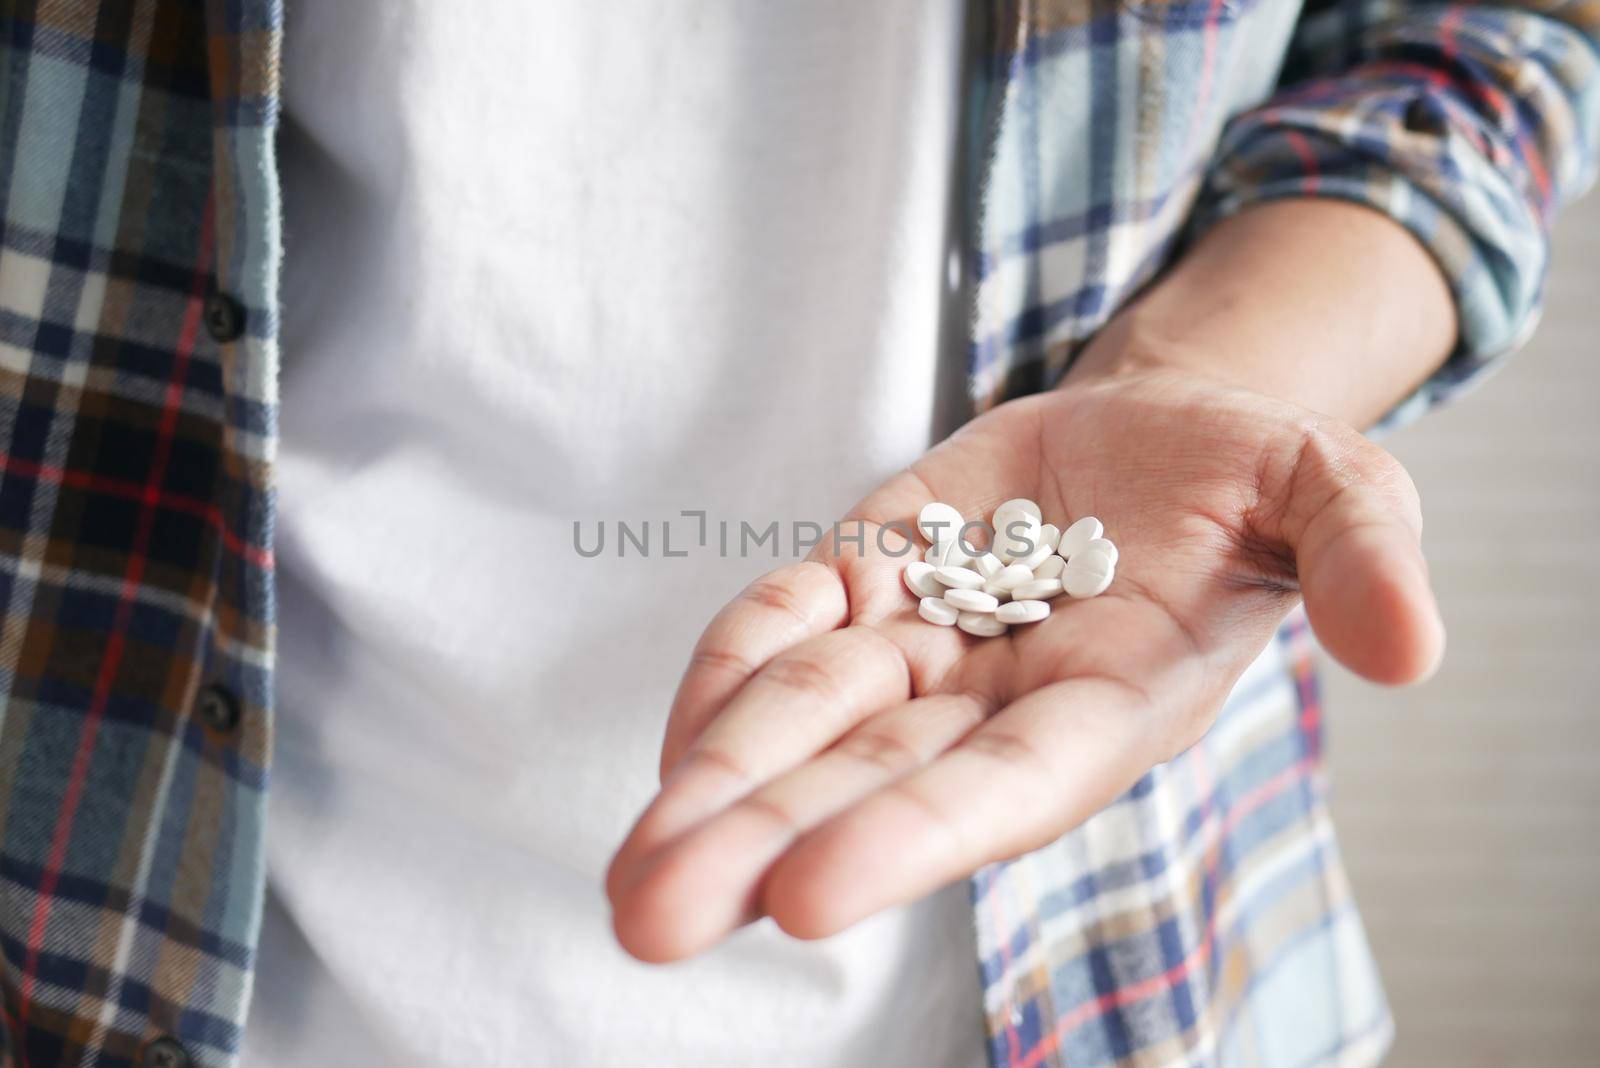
column 830, row 754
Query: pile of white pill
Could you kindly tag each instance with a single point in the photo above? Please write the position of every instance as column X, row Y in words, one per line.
column 1029, row 562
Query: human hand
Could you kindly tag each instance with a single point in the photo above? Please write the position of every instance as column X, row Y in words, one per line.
column 830, row 754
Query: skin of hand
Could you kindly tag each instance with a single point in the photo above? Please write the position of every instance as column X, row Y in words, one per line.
column 829, row 754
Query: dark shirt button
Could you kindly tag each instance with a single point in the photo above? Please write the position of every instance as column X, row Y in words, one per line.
column 224, row 318
column 1424, row 117
column 218, row 708
column 164, row 1052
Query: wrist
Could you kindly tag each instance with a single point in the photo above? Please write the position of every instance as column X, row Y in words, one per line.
column 1131, row 344
column 1137, row 344
column 1327, row 305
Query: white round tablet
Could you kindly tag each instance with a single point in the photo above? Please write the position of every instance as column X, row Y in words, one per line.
column 982, row 624
column 920, row 581
column 1011, row 576
column 939, row 522
column 1104, row 546
column 947, row 554
column 1079, row 534
column 935, row 611
column 959, row 578
column 1020, row 504
column 1037, row 590
column 1087, row 575
column 971, row 600
column 1022, row 612
column 987, row 564
column 1037, row 557
column 1016, row 534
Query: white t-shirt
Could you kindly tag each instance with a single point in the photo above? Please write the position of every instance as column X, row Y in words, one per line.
column 558, row 263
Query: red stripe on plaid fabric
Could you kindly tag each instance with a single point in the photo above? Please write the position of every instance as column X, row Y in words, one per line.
column 1303, row 663
column 1311, row 181
column 1449, row 24
column 1166, row 981
column 1208, row 69
column 116, row 642
column 1536, row 171
column 129, row 490
column 1449, row 43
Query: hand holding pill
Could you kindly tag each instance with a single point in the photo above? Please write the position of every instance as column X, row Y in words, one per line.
column 857, row 730
column 1085, row 560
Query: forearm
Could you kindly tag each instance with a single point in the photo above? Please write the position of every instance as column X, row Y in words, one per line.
column 1326, row 304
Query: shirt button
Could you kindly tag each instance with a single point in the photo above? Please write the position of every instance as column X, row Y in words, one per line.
column 164, row 1052
column 224, row 318
column 1423, row 117
column 218, row 708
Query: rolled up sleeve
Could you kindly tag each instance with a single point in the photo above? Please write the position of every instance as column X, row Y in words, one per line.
column 1468, row 124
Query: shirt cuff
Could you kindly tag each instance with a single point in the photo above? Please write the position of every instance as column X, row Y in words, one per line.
column 1404, row 152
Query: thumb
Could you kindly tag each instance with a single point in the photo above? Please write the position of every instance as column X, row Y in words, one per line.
column 1354, row 521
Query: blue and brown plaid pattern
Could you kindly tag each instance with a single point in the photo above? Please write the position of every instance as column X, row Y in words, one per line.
column 1202, row 919
column 137, row 238
column 1115, row 130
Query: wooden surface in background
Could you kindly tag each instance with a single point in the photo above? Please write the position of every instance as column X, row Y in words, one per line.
column 1469, row 809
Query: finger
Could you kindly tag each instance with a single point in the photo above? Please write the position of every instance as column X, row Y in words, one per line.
column 774, row 612
column 694, row 891
column 804, row 699
column 796, row 705
column 1355, row 523
column 1039, row 768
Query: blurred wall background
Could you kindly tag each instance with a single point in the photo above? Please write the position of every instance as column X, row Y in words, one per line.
column 1469, row 809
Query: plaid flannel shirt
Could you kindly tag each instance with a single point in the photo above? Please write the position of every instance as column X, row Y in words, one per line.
column 1203, row 918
